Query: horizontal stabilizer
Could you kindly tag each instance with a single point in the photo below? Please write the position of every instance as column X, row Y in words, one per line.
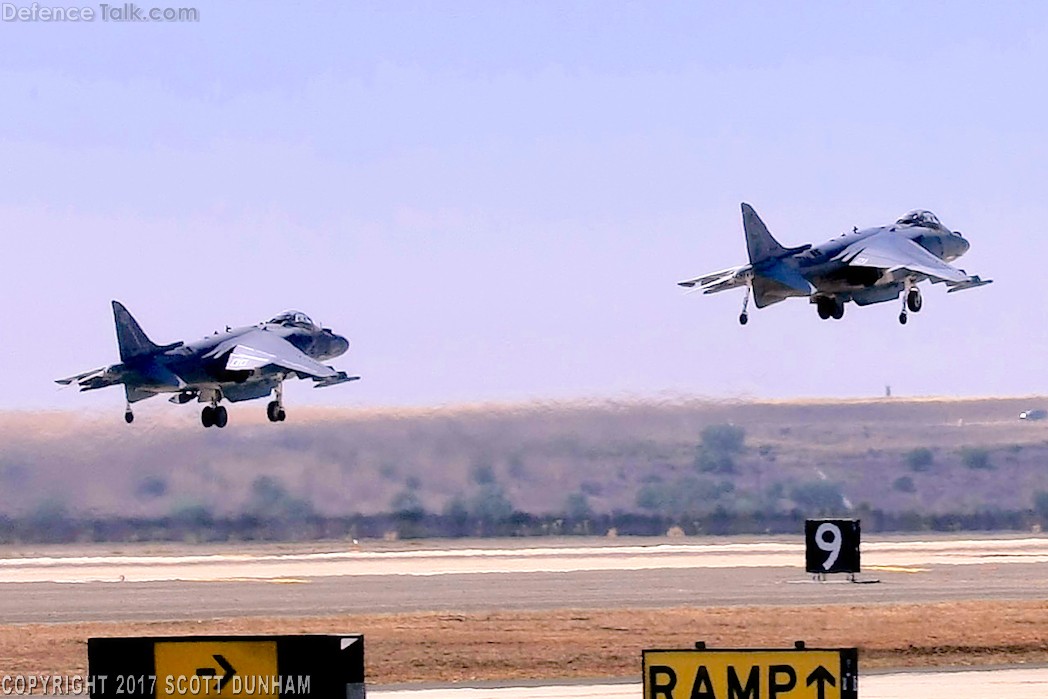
column 719, row 281
column 71, row 379
column 97, row 378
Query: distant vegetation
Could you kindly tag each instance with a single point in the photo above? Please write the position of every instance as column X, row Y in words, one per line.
column 819, row 498
column 919, row 459
column 642, row 469
column 718, row 448
column 976, row 458
column 904, row 484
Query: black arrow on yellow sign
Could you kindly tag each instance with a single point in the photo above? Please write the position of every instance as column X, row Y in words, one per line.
column 823, row 677
column 230, row 671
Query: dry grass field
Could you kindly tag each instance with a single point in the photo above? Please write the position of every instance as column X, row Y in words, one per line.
column 596, row 644
column 538, row 456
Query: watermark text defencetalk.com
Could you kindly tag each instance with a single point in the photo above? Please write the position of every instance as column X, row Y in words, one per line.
column 106, row 12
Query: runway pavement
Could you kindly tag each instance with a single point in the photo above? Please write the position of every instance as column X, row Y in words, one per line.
column 708, row 573
column 218, row 567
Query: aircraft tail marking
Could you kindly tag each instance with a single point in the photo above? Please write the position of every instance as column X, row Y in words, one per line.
column 130, row 337
column 759, row 242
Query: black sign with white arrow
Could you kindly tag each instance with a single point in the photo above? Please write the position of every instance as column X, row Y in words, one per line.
column 227, row 667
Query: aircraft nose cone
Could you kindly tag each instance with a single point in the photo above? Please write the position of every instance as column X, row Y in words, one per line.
column 339, row 345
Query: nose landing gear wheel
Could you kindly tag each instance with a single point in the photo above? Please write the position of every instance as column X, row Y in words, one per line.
column 744, row 318
column 914, row 300
column 129, row 417
column 902, row 318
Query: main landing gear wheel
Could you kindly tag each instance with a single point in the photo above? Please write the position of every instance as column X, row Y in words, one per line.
column 274, row 412
column 829, row 307
column 214, row 415
column 826, row 307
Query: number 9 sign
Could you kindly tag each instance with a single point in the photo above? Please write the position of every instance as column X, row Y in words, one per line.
column 831, row 546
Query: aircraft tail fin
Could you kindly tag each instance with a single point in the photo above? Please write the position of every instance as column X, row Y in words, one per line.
column 759, row 242
column 130, row 337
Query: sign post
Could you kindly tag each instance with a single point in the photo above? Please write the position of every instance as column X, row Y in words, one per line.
column 798, row 673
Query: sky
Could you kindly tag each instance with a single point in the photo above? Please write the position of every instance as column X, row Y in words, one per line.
column 494, row 201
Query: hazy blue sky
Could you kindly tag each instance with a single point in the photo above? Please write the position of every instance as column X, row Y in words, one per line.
column 493, row 200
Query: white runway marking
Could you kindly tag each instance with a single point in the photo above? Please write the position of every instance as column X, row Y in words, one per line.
column 1020, row 683
column 884, row 555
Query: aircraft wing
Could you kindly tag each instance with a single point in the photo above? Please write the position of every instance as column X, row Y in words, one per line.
column 259, row 348
column 894, row 252
column 719, row 281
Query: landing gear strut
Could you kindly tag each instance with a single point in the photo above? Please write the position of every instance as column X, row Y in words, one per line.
column 744, row 317
column 275, row 409
column 215, row 415
column 911, row 301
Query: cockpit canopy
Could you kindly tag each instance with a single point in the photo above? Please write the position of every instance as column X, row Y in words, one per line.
column 920, row 217
column 294, row 319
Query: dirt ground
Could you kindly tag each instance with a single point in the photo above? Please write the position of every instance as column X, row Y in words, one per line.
column 562, row 644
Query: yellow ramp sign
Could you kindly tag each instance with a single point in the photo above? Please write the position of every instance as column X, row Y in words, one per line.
column 217, row 669
column 801, row 673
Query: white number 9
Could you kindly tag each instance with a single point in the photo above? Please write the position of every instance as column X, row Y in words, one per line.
column 831, row 545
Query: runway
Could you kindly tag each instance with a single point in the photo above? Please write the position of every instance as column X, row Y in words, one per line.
column 1013, row 683
column 290, row 566
column 278, row 582
column 708, row 573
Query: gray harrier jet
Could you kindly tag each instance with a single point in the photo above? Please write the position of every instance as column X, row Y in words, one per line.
column 237, row 364
column 865, row 266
